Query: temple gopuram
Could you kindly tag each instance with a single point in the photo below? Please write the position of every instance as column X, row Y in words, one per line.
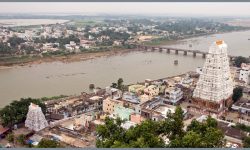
column 214, row 88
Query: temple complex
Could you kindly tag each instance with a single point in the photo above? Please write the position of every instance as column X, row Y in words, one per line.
column 35, row 119
column 215, row 86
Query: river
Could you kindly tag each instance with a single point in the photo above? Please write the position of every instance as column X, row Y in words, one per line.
column 50, row 79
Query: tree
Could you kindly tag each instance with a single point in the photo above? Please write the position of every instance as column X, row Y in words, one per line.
column 10, row 137
column 15, row 41
column 246, row 142
column 149, row 133
column 237, row 93
column 191, row 140
column 21, row 139
column 207, row 133
column 114, row 85
column 120, row 84
column 175, row 121
column 239, row 60
column 109, row 133
column 113, row 135
column 4, row 48
column 46, row 143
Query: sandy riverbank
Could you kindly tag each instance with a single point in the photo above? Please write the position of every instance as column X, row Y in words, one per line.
column 66, row 59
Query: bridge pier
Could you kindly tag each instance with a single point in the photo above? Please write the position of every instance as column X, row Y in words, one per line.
column 203, row 55
column 185, row 53
column 176, row 52
column 160, row 49
column 168, row 50
column 194, row 54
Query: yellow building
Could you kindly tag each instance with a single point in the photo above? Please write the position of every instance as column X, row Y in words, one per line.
column 152, row 90
column 136, row 88
column 109, row 105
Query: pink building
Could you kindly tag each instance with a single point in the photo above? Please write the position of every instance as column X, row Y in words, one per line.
column 136, row 118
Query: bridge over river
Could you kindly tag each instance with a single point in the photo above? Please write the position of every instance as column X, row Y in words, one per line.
column 175, row 50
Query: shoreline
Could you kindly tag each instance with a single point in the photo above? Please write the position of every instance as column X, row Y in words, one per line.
column 164, row 42
column 83, row 56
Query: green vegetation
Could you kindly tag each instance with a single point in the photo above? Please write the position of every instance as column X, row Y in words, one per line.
column 4, row 48
column 82, row 23
column 246, row 139
column 10, row 137
column 239, row 60
column 157, row 41
column 242, row 127
column 53, row 97
column 16, row 111
column 119, row 85
column 237, row 93
column 15, row 41
column 149, row 133
column 46, row 143
column 61, row 40
column 246, row 142
column 195, row 26
column 120, row 36
column 17, row 59
column 21, row 139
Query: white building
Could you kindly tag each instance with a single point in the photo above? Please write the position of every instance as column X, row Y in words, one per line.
column 173, row 94
column 72, row 43
column 245, row 76
column 215, row 85
column 187, row 81
column 245, row 73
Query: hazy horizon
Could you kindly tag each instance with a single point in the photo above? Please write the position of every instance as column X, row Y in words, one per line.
column 205, row 9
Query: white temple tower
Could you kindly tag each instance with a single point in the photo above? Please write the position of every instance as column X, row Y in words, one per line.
column 35, row 119
column 215, row 85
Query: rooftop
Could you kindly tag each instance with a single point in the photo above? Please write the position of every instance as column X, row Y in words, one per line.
column 230, row 131
column 244, row 103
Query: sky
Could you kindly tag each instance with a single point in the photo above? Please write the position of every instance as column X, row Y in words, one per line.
column 142, row 8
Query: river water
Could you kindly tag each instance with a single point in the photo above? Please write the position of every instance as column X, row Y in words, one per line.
column 50, row 79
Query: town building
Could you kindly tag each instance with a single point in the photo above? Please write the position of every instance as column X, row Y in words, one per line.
column 114, row 93
column 186, row 81
column 152, row 90
column 75, row 105
column 123, row 112
column 215, row 86
column 136, row 88
column 173, row 95
column 245, row 73
column 136, row 118
column 242, row 106
column 109, row 105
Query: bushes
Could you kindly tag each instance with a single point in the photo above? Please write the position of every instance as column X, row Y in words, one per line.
column 21, row 139
column 10, row 137
column 239, row 60
column 46, row 143
column 237, row 93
